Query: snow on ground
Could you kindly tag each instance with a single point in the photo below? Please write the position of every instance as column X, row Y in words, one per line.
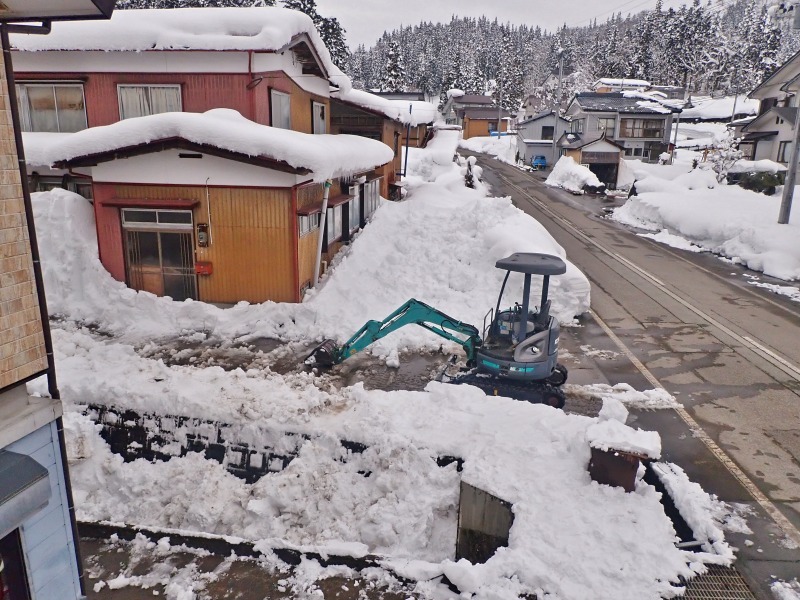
column 571, row 537
column 503, row 149
column 571, row 176
column 783, row 590
column 724, row 219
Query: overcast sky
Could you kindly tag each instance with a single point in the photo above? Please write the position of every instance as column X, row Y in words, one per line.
column 366, row 20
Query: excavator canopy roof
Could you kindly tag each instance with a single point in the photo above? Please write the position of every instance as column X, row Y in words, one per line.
column 532, row 263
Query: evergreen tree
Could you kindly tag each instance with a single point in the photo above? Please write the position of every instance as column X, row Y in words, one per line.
column 393, row 79
column 308, row 7
column 332, row 35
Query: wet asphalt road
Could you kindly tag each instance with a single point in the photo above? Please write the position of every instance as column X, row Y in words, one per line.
column 728, row 351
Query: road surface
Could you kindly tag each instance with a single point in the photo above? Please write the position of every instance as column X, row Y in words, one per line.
column 691, row 323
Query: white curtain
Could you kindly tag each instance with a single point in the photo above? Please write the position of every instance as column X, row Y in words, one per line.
column 24, row 108
column 133, row 101
column 142, row 100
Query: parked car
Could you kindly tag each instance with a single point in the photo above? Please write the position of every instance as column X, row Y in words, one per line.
column 538, row 162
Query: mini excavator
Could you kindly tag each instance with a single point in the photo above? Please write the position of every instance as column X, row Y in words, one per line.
column 517, row 355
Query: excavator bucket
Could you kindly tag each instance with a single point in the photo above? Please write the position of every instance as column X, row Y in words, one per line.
column 324, row 355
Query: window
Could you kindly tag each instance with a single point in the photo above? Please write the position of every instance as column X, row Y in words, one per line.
column 354, row 213
column 642, row 128
column 372, row 197
column 333, row 224
column 51, row 107
column 318, row 117
column 151, row 219
column 637, row 151
column 576, row 126
column 606, row 124
column 547, row 132
column 784, row 149
column 280, row 109
column 307, row 223
column 492, row 126
column 143, row 100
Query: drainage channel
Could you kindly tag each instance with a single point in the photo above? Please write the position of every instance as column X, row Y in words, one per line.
column 718, row 583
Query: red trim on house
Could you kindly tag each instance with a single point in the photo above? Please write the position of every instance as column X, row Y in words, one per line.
column 150, row 202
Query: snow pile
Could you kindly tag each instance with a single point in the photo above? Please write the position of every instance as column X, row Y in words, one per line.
column 757, row 166
column 261, row 28
column 398, row 110
column 571, row 176
column 326, row 156
column 783, row 590
column 727, row 220
column 503, row 148
column 703, row 513
column 658, row 398
column 610, row 433
column 698, row 135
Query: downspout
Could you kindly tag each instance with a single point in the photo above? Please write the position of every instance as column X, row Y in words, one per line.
column 251, row 88
column 52, row 383
column 325, row 194
column 295, row 243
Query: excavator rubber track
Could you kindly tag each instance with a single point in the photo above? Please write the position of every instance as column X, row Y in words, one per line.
column 535, row 392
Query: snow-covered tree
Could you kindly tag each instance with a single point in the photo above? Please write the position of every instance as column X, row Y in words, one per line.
column 332, row 34
column 393, row 77
column 724, row 155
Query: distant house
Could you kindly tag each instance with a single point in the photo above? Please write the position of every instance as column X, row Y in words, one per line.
column 477, row 122
column 770, row 134
column 394, row 122
column 214, row 207
column 605, row 85
column 457, row 102
column 601, row 155
column 407, row 96
column 640, row 126
column 535, row 136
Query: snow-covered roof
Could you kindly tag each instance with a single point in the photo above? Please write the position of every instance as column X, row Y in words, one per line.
column 787, row 113
column 257, row 28
column 473, row 99
column 706, row 108
column 621, row 83
column 623, row 102
column 398, row 110
column 757, row 166
column 37, row 147
column 325, row 156
column 613, row 435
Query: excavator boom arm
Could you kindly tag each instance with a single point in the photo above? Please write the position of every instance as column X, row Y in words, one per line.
column 418, row 313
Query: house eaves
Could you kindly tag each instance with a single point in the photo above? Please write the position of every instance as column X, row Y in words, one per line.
column 776, row 77
column 787, row 113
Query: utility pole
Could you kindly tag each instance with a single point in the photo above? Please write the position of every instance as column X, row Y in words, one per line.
column 791, row 175
column 499, row 107
column 557, row 104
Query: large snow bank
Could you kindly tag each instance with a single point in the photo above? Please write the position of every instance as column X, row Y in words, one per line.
column 706, row 108
column 727, row 220
column 452, row 236
column 503, row 148
column 571, row 176
column 757, row 166
column 326, row 156
column 262, row 28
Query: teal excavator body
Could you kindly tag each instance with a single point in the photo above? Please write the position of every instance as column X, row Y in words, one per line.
column 517, row 355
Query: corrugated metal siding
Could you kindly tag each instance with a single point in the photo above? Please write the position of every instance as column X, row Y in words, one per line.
column 109, row 231
column 252, row 239
column 307, row 254
column 47, row 536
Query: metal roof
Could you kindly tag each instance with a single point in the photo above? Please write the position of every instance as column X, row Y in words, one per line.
column 473, row 99
column 620, row 103
column 483, row 113
column 532, row 263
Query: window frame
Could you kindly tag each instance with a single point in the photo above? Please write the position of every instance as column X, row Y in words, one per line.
column 157, row 224
column 333, row 224
column 551, row 134
column 637, row 128
column 576, row 126
column 782, row 151
column 147, row 86
column 308, row 223
column 28, row 127
column 606, row 120
column 314, row 106
column 272, row 94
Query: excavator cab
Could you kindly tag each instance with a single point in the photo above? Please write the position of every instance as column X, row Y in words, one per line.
column 519, row 343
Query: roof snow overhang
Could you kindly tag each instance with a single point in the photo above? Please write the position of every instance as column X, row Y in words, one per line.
column 178, row 143
column 787, row 113
column 776, row 76
column 758, row 135
column 303, row 48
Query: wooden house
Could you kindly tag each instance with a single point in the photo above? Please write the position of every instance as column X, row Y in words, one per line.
column 601, row 155
column 397, row 123
column 217, row 208
column 481, row 122
column 536, row 135
column 268, row 64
